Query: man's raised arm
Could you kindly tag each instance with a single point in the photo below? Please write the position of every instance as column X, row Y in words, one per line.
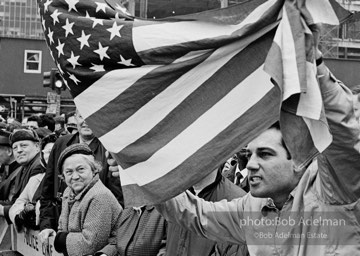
column 219, row 221
column 339, row 164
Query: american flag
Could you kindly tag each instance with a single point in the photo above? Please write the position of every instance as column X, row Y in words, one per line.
column 172, row 99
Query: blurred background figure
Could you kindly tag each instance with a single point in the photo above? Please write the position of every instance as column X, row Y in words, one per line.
column 235, row 170
column 24, row 121
column 47, row 121
column 33, row 122
column 60, row 128
column 9, row 168
column 141, row 232
column 70, row 122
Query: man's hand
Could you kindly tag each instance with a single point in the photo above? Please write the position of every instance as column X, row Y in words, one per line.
column 113, row 166
column 316, row 31
column 45, row 234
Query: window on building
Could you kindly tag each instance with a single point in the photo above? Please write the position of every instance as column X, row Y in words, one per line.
column 32, row 61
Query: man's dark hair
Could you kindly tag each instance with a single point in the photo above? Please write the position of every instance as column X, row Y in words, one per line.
column 47, row 120
column 60, row 120
column 276, row 126
column 34, row 118
column 69, row 114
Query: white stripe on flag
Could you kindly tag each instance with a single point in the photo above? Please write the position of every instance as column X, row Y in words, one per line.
column 166, row 101
column 108, row 88
column 322, row 12
column 310, row 103
column 285, row 40
column 320, row 133
column 231, row 107
column 152, row 36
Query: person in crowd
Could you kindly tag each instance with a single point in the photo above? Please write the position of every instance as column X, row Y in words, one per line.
column 53, row 186
column 9, row 166
column 214, row 187
column 70, row 122
column 2, row 125
column 33, row 122
column 11, row 120
column 47, row 121
column 13, row 126
column 90, row 212
column 141, row 232
column 235, row 170
column 23, row 212
column 24, row 121
column 4, row 143
column 60, row 129
column 329, row 186
column 42, row 132
column 25, row 146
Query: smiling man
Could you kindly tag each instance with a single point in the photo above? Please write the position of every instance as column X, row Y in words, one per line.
column 290, row 211
column 25, row 147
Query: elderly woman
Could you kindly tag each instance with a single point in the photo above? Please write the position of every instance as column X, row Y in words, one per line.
column 90, row 212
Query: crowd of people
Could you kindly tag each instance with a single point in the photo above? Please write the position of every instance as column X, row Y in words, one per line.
column 55, row 177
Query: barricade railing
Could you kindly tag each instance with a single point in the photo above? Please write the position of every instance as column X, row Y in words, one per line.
column 3, row 228
column 27, row 243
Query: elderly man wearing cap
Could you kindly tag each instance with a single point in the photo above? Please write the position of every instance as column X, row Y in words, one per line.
column 9, row 167
column 25, row 146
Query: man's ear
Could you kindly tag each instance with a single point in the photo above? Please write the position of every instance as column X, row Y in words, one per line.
column 38, row 146
column 9, row 151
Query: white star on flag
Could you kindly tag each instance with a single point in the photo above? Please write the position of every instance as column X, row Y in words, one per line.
column 46, row 5
column 97, row 68
column 68, row 27
column 125, row 62
column 96, row 21
column 50, row 36
column 101, row 6
column 55, row 16
column 102, row 52
column 60, row 48
column 74, row 60
column 115, row 30
column 83, row 40
column 71, row 4
column 73, row 77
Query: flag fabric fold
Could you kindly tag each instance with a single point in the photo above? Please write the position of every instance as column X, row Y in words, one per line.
column 174, row 98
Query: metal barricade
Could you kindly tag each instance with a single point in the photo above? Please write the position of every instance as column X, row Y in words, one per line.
column 25, row 243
